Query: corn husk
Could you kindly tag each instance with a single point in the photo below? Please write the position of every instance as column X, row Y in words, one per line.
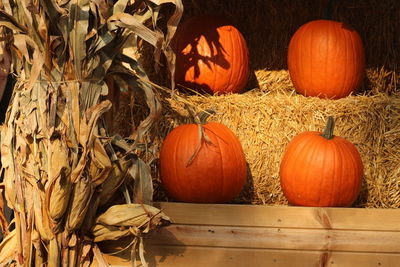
column 59, row 152
column 120, row 220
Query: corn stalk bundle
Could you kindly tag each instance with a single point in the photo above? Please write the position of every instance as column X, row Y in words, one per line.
column 70, row 182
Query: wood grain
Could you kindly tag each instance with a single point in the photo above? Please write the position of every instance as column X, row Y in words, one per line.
column 282, row 216
column 176, row 256
column 277, row 238
column 216, row 235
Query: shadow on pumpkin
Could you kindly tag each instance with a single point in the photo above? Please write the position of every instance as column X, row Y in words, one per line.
column 200, row 49
column 192, row 33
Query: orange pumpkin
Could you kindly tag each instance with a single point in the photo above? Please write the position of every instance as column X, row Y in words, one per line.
column 326, row 59
column 204, row 166
column 211, row 56
column 321, row 170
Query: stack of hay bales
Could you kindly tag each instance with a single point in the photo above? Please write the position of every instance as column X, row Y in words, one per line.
column 270, row 113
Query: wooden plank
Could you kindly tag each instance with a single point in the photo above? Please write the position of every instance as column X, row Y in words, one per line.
column 276, row 238
column 282, row 216
column 243, row 235
column 178, row 256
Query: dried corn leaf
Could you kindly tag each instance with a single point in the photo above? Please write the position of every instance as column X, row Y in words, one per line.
column 54, row 257
column 86, row 137
column 107, row 232
column 100, row 164
column 8, row 247
column 56, row 148
column 115, row 179
column 80, row 199
column 42, row 220
column 131, row 215
column 78, row 23
column 59, row 190
column 58, row 199
column 99, row 257
column 143, row 183
column 3, row 221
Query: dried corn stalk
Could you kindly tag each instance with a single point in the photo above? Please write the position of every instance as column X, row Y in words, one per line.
column 63, row 167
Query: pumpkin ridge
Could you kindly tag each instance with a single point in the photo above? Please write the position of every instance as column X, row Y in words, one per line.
column 314, row 146
column 323, row 173
column 233, row 59
column 342, row 90
column 355, row 159
column 309, row 88
column 337, row 161
column 349, row 171
column 300, row 59
column 353, row 81
column 198, row 144
column 295, row 147
column 177, row 176
column 311, row 40
column 244, row 68
column 240, row 57
column 218, row 136
column 177, row 169
column 298, row 178
column 358, row 163
column 221, row 166
column 328, row 39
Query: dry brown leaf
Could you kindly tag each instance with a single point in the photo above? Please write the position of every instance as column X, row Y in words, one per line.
column 107, row 232
column 130, row 215
column 57, row 152
column 82, row 193
column 60, row 186
column 116, row 177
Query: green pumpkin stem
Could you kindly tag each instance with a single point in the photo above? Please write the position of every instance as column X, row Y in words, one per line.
column 328, row 131
column 203, row 116
column 201, row 119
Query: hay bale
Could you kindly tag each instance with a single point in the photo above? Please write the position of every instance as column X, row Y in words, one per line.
column 266, row 122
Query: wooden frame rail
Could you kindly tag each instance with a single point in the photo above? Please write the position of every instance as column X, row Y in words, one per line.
column 247, row 235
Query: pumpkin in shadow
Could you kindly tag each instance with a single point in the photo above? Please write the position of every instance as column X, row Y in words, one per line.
column 211, row 56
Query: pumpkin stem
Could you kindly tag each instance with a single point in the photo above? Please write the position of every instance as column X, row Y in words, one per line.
column 203, row 116
column 200, row 120
column 328, row 131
